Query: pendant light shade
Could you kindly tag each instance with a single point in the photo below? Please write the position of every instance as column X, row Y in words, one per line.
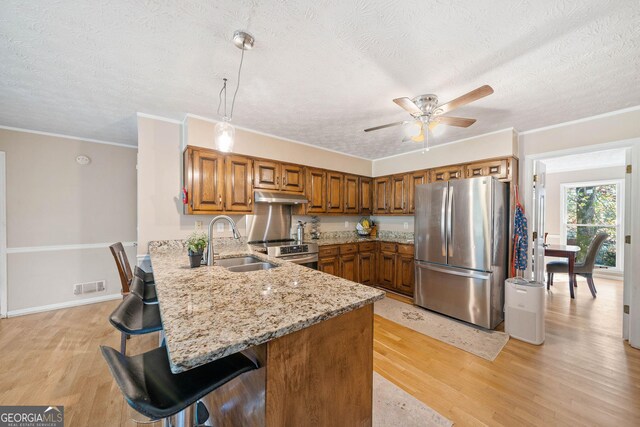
column 225, row 135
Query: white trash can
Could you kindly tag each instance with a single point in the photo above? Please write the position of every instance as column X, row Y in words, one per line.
column 524, row 309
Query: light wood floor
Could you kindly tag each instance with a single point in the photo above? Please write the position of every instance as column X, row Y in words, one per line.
column 584, row 374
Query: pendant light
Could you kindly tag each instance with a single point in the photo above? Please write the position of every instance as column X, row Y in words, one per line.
column 225, row 133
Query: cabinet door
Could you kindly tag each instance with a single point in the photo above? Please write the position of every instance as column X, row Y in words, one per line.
column 330, row 265
column 292, row 178
column 316, row 190
column 349, row 267
column 399, row 192
column 266, row 175
column 387, row 269
column 416, row 178
column 497, row 168
column 351, row 194
column 366, row 268
column 366, row 202
column 446, row 173
column 238, row 184
column 405, row 274
column 206, row 175
column 335, row 192
column 381, row 195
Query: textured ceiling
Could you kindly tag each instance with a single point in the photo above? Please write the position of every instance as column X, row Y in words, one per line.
column 321, row 71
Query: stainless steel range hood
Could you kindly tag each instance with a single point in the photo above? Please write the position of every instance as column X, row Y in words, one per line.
column 277, row 197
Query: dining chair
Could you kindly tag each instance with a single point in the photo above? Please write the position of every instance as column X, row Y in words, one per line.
column 584, row 269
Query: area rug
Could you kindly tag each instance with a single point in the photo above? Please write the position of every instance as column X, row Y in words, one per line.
column 393, row 406
column 482, row 343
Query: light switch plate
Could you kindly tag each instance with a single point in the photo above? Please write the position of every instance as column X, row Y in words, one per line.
column 406, row 225
column 220, row 227
column 198, row 225
column 346, row 224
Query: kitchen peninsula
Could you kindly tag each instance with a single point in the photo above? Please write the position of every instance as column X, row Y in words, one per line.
column 310, row 332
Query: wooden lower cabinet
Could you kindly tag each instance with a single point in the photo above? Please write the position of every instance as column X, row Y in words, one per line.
column 387, row 269
column 384, row 264
column 367, row 268
column 405, row 274
column 330, row 265
column 349, row 267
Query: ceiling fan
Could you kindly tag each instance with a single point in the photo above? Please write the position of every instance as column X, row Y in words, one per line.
column 426, row 112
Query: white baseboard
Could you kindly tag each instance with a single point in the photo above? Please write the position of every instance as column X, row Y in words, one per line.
column 61, row 305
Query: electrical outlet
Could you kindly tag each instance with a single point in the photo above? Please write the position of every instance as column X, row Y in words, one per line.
column 406, row 225
column 220, row 227
column 198, row 225
column 346, row 224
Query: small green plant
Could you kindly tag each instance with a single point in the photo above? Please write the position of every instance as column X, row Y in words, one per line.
column 197, row 242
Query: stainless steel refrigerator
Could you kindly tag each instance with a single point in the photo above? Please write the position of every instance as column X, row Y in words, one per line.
column 461, row 245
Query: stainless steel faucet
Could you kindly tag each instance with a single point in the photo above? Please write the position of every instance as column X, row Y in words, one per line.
column 236, row 235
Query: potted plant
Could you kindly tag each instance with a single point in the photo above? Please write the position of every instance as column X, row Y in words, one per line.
column 195, row 246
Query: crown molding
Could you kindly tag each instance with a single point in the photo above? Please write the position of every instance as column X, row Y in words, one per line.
column 76, row 138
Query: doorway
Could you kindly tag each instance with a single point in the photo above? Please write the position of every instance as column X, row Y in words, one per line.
column 588, row 191
column 3, row 236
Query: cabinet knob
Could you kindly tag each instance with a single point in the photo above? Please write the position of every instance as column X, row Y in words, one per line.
column 220, row 198
column 278, row 180
column 284, row 180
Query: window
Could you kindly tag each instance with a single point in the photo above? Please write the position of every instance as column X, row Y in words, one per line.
column 590, row 208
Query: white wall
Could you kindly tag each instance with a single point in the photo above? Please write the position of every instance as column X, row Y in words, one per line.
column 61, row 216
column 502, row 143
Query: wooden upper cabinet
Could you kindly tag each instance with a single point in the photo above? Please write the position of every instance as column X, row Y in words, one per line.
column 381, row 194
column 316, row 190
column 266, row 175
column 416, row 178
column 366, row 202
column 498, row 168
column 351, row 194
column 335, row 192
column 446, row 173
column 292, row 178
column 204, row 179
column 238, row 184
column 269, row 175
column 399, row 193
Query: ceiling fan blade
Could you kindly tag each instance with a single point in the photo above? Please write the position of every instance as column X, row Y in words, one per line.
column 465, row 99
column 455, row 121
column 386, row 126
column 408, row 105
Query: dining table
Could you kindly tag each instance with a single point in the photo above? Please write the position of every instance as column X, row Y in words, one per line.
column 565, row 251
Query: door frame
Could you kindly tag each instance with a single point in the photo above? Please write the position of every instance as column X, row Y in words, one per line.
column 3, row 236
column 631, row 288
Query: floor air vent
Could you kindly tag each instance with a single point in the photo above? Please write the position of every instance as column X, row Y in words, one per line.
column 88, row 287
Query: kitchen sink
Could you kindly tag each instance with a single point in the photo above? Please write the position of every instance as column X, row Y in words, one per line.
column 232, row 262
column 252, row 267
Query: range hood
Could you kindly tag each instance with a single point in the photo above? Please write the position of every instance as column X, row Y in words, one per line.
column 277, row 197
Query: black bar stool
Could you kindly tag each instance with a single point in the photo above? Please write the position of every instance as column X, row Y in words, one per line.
column 124, row 268
column 145, row 291
column 134, row 317
column 152, row 389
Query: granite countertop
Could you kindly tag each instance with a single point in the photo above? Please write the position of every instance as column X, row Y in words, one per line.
column 210, row 312
column 340, row 240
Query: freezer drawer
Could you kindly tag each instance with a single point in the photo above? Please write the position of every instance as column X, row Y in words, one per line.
column 462, row 294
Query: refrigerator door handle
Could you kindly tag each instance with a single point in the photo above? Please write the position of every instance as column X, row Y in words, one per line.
column 443, row 222
column 450, row 223
column 473, row 274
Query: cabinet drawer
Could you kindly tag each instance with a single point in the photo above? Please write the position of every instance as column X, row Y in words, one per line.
column 367, row 246
column 405, row 249
column 327, row 251
column 387, row 247
column 351, row 248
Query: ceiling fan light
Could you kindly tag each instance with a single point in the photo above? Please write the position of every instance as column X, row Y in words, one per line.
column 224, row 135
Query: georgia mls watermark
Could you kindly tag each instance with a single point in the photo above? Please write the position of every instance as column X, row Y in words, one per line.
column 31, row 416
